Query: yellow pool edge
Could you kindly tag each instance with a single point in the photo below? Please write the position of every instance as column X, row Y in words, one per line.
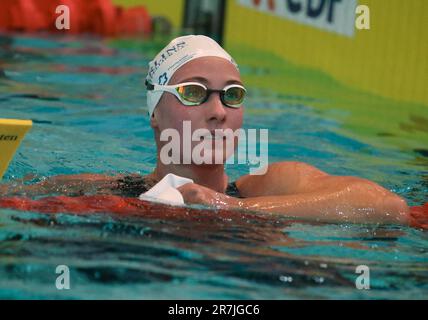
column 12, row 132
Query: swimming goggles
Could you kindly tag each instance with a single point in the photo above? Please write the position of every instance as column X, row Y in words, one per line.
column 195, row 93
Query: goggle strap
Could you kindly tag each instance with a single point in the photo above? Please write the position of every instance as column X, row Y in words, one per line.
column 149, row 86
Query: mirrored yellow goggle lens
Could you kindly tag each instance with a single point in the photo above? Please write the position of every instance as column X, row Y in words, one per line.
column 192, row 93
column 234, row 96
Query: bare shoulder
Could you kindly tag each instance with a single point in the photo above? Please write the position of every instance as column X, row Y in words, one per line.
column 285, row 177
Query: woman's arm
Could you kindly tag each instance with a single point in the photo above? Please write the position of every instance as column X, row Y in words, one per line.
column 300, row 190
column 353, row 202
column 349, row 200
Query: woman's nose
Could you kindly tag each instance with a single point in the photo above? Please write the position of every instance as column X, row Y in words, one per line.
column 215, row 109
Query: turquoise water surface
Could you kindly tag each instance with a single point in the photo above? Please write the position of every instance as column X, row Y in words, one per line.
column 87, row 102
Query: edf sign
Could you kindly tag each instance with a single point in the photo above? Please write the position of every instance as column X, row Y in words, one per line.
column 333, row 15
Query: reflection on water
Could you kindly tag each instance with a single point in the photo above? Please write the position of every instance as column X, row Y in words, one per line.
column 87, row 103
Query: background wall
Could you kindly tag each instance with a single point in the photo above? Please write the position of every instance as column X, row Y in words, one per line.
column 171, row 9
column 390, row 59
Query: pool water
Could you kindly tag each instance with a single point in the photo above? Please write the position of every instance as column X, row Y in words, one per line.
column 87, row 102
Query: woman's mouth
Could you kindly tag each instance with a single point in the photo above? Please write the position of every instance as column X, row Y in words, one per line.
column 215, row 135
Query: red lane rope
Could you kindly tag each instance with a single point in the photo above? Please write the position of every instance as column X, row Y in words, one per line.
column 419, row 216
column 79, row 205
column 111, row 204
column 132, row 206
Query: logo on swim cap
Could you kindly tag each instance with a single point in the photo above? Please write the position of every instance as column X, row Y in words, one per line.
column 162, row 57
column 163, row 79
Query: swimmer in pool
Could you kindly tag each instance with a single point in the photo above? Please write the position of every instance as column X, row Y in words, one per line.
column 291, row 188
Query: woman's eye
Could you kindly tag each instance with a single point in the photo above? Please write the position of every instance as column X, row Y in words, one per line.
column 194, row 92
column 235, row 94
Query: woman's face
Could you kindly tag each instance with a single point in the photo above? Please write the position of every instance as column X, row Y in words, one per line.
column 214, row 73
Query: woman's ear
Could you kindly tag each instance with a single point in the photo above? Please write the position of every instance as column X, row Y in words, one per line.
column 154, row 121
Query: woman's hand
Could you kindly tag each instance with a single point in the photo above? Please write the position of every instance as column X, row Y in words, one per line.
column 197, row 194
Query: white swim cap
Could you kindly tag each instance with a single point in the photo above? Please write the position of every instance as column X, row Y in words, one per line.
column 177, row 53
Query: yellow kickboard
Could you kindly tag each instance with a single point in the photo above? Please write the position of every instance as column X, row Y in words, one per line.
column 11, row 134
